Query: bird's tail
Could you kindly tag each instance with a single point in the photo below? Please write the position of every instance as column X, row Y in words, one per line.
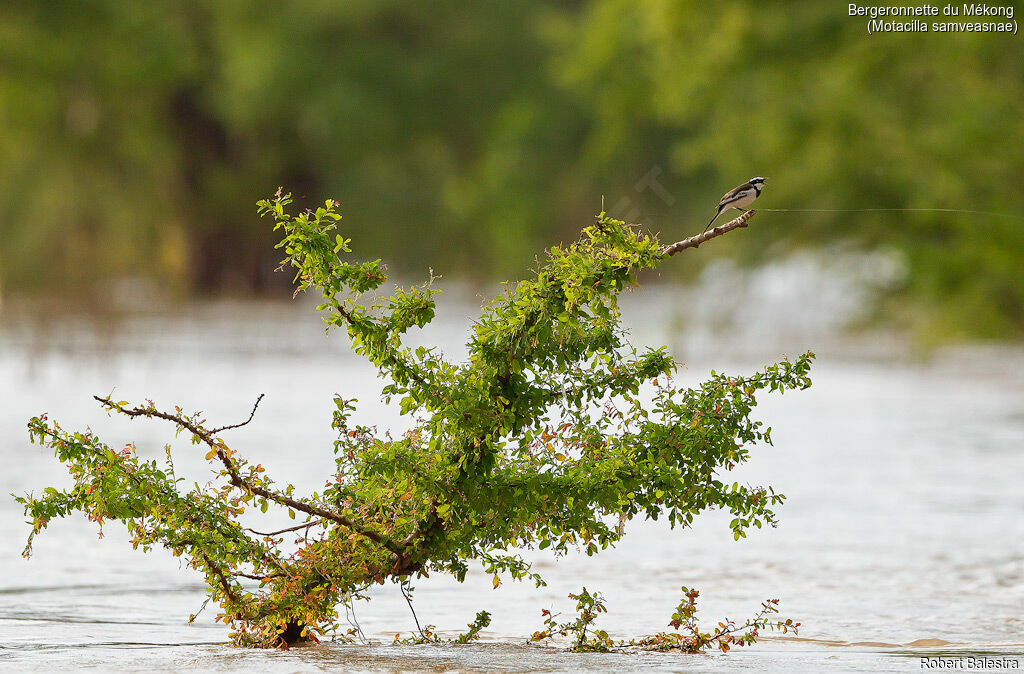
column 712, row 222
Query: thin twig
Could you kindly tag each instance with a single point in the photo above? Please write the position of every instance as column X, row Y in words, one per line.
column 408, row 600
column 251, row 415
column 351, row 619
column 284, row 531
column 695, row 241
column 200, row 611
column 254, row 576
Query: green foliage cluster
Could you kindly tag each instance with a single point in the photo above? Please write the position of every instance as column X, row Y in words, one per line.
column 550, row 434
column 685, row 637
column 131, row 132
column 588, row 607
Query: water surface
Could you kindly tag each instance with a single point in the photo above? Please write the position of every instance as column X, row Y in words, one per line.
column 902, row 535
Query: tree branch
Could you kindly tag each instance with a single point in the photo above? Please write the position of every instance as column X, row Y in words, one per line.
column 254, row 576
column 228, row 591
column 695, row 241
column 284, row 531
column 238, row 481
column 251, row 415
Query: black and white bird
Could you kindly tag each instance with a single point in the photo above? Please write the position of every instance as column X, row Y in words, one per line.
column 739, row 198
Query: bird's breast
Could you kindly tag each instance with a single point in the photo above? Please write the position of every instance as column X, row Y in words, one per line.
column 743, row 199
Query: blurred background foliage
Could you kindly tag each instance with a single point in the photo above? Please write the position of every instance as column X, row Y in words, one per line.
column 466, row 136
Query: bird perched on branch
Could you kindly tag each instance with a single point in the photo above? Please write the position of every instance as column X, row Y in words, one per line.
column 739, row 198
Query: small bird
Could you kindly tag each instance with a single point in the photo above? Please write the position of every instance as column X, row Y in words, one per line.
column 739, row 198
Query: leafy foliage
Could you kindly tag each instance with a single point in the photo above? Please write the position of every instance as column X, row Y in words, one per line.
column 588, row 608
column 551, row 432
column 480, row 622
column 686, row 635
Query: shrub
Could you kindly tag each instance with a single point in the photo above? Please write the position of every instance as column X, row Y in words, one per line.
column 541, row 438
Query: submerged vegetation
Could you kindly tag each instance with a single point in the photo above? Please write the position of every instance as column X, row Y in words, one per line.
column 686, row 635
column 551, row 434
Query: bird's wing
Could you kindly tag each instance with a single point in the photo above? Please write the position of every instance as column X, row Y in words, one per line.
column 733, row 193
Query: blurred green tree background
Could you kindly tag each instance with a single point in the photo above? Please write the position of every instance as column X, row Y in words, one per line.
column 136, row 137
